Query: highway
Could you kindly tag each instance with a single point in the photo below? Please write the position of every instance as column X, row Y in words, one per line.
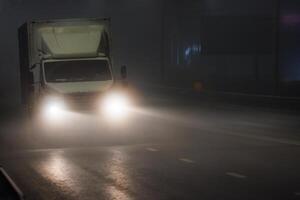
column 164, row 149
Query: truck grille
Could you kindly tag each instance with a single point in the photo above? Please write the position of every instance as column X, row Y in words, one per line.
column 83, row 101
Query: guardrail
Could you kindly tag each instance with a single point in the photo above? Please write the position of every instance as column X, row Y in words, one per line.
column 290, row 103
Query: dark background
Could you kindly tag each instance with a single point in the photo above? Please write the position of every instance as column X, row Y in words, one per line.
column 244, row 46
column 236, row 40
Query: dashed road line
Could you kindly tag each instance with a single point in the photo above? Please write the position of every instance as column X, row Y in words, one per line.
column 152, row 149
column 236, row 175
column 186, row 160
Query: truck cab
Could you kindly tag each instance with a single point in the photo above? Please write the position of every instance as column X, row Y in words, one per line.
column 66, row 62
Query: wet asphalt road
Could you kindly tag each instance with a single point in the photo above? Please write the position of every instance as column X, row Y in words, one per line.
column 163, row 150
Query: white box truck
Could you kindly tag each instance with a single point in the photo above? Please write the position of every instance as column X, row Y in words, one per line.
column 67, row 64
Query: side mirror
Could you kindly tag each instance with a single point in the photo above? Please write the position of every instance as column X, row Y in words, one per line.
column 123, row 72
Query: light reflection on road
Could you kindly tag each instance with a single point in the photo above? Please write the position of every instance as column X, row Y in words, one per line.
column 119, row 177
column 115, row 182
column 56, row 169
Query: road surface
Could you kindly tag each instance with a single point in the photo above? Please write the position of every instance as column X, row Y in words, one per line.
column 165, row 149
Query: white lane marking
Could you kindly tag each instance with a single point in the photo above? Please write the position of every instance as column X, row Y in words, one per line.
column 12, row 183
column 268, row 139
column 186, row 160
column 297, row 193
column 296, row 142
column 151, row 149
column 236, row 175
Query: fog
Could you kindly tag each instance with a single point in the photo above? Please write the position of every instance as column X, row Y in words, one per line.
column 136, row 33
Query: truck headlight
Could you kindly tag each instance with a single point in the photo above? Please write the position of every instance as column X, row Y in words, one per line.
column 53, row 108
column 115, row 105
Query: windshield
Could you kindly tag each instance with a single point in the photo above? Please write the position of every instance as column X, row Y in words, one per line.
column 77, row 71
